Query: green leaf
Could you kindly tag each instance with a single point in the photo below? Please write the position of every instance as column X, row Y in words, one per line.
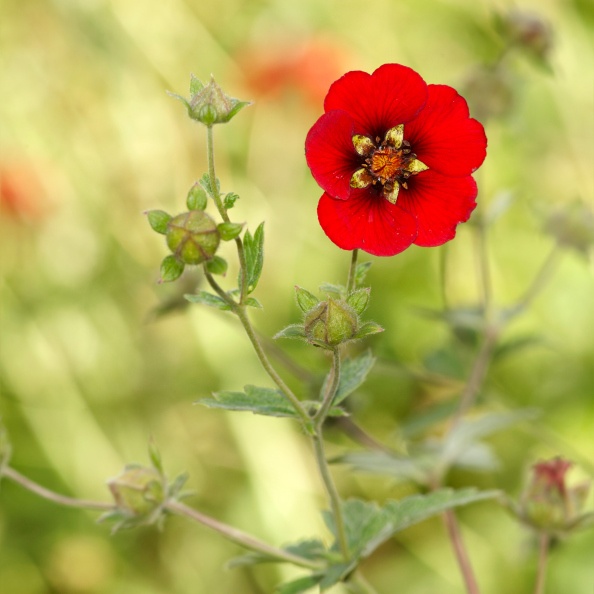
column 196, row 199
column 253, row 302
column 180, row 98
column 337, row 291
column 335, row 574
column 171, row 269
column 467, row 433
column 359, row 300
column 230, row 200
column 217, row 265
column 158, row 220
column 366, row 329
column 254, row 256
column 299, row 585
column 237, row 107
column 305, row 299
column 401, row 468
column 367, row 525
column 311, row 548
column 208, row 299
column 229, row 231
column 361, row 272
column 177, row 485
column 353, row 373
column 155, row 455
column 292, row 331
column 204, row 181
column 196, row 85
column 260, row 401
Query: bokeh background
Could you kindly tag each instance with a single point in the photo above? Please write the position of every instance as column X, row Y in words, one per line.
column 96, row 356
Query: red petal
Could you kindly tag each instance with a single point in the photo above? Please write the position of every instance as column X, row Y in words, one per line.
column 330, row 153
column 444, row 137
column 392, row 95
column 367, row 221
column 439, row 203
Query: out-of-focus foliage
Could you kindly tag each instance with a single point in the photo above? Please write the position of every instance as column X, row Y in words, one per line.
column 91, row 365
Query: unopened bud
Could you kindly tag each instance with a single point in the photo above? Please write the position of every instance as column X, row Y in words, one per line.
column 193, row 237
column 138, row 491
column 331, row 323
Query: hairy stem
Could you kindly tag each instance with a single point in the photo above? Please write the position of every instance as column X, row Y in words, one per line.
column 32, row 486
column 352, row 270
column 276, row 378
column 239, row 537
column 543, row 558
column 216, row 195
column 320, row 453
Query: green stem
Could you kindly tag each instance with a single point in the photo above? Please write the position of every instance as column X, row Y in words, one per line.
column 320, row 453
column 352, row 270
column 322, row 413
column 216, row 195
column 239, row 537
column 32, row 486
column 360, row 585
column 543, row 558
column 276, row 378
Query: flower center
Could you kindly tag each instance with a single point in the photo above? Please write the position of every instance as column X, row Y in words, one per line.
column 388, row 162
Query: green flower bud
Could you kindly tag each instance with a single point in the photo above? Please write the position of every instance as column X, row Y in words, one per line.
column 331, row 323
column 193, row 237
column 138, row 491
column 209, row 104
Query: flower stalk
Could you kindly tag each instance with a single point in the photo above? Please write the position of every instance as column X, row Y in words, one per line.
column 544, row 542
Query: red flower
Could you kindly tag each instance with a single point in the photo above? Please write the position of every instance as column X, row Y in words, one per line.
column 394, row 157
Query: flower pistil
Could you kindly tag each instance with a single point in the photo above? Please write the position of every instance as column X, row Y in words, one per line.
column 389, row 162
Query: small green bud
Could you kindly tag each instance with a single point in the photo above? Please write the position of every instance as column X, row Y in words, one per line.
column 138, row 491
column 209, row 104
column 331, row 323
column 573, row 227
column 230, row 231
column 197, row 198
column 193, row 237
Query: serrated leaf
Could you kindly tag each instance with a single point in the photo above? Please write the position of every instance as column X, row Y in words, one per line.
column 254, row 256
column 260, row 401
column 353, row 373
column 158, row 220
column 361, row 272
column 359, row 300
column 230, row 199
column 305, row 299
column 209, row 299
column 367, row 525
column 337, row 291
column 292, row 331
column 196, row 199
column 217, row 265
column 367, row 329
column 229, row 231
column 249, row 559
column 299, row 585
column 171, row 269
column 335, row 574
column 311, row 548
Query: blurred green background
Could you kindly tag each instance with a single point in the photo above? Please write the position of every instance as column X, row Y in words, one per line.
column 89, row 140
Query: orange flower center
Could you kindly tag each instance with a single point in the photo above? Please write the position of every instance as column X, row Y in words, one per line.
column 386, row 163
